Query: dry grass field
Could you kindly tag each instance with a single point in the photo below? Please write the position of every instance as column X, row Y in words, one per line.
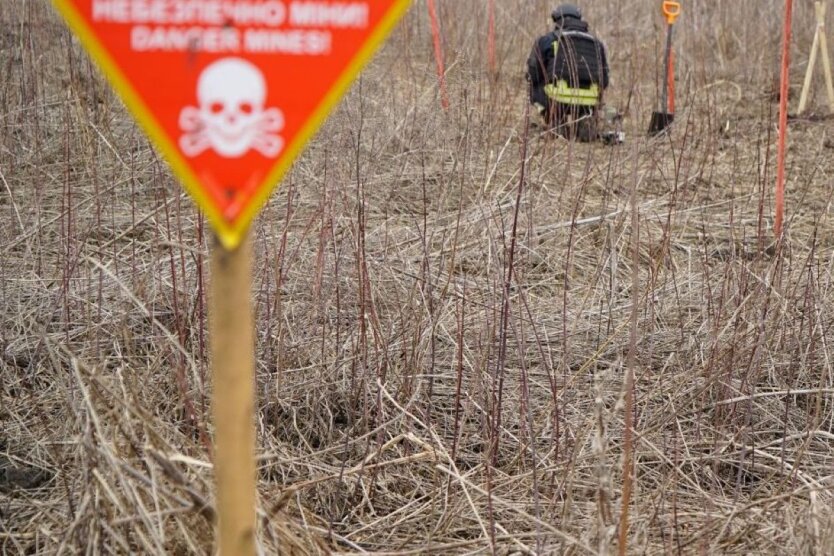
column 451, row 307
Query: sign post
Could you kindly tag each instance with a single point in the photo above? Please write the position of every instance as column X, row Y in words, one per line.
column 233, row 399
column 229, row 92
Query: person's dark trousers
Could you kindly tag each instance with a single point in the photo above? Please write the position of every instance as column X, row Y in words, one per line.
column 572, row 122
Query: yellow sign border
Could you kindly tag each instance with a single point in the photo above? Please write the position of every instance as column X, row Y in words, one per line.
column 230, row 235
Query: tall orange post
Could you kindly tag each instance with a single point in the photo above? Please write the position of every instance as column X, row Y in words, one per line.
column 438, row 54
column 493, row 62
column 783, row 122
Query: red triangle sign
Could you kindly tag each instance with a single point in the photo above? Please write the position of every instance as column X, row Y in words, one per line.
column 230, row 91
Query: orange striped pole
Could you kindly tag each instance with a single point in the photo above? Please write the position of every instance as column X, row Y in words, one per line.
column 438, row 54
column 783, row 122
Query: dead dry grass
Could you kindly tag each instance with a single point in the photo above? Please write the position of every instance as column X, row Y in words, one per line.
column 419, row 394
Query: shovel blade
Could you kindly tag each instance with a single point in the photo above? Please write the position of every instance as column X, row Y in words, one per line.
column 660, row 121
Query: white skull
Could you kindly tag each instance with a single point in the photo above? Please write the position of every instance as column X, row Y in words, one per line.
column 231, row 118
column 231, row 93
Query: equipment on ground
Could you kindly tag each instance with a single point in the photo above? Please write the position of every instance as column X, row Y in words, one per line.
column 611, row 132
column 612, row 137
column 666, row 115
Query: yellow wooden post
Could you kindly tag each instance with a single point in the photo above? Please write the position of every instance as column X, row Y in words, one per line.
column 809, row 72
column 826, row 61
column 820, row 44
column 233, row 363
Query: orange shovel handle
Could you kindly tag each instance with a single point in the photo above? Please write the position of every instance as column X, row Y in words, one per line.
column 671, row 10
column 670, row 84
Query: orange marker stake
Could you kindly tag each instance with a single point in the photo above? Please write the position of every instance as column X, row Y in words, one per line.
column 493, row 63
column 783, row 122
column 438, row 55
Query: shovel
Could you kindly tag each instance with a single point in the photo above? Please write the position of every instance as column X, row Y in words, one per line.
column 662, row 119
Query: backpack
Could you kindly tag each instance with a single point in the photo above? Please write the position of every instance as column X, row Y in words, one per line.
column 578, row 58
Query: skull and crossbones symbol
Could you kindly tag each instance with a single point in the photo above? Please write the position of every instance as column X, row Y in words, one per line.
column 231, row 117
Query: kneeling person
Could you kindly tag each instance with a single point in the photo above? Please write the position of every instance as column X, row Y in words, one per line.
column 568, row 74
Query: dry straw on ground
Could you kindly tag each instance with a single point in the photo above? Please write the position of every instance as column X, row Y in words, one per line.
column 412, row 398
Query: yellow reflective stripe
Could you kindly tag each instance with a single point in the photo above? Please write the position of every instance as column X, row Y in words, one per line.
column 560, row 92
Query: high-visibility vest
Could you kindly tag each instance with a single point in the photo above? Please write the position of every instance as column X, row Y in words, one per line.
column 561, row 92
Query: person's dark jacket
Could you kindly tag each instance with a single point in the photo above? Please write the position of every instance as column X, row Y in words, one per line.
column 581, row 59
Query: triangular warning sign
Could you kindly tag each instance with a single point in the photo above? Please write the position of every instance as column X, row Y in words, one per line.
column 230, row 91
